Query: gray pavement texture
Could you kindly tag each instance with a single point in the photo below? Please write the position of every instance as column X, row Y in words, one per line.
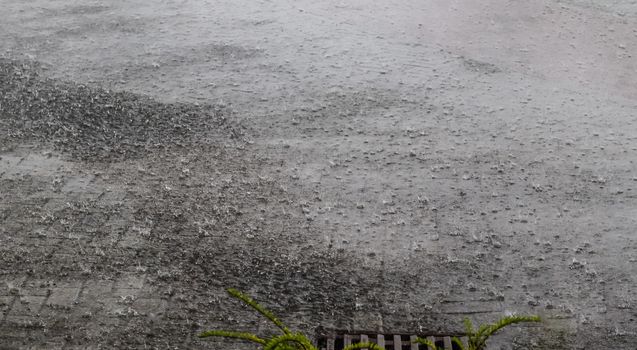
column 389, row 165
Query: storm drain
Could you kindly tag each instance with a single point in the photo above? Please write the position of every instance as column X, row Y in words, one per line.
column 338, row 341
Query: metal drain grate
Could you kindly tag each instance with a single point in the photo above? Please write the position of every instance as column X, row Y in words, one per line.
column 338, row 341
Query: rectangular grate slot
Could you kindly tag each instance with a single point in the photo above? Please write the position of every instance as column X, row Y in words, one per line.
column 414, row 346
column 403, row 341
column 348, row 339
column 380, row 340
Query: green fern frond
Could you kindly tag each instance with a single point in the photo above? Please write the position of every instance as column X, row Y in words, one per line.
column 468, row 326
column 509, row 320
column 506, row 321
column 429, row 343
column 482, row 329
column 458, row 343
column 279, row 343
column 366, row 345
column 283, row 346
column 260, row 309
column 479, row 339
column 235, row 335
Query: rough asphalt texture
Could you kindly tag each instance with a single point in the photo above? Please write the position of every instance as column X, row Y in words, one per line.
column 387, row 165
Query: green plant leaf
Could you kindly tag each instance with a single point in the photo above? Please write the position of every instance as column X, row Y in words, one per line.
column 479, row 339
column 366, row 345
column 458, row 342
column 279, row 343
column 429, row 343
column 468, row 326
column 260, row 309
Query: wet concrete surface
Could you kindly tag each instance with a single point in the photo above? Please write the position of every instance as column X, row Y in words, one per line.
column 390, row 165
